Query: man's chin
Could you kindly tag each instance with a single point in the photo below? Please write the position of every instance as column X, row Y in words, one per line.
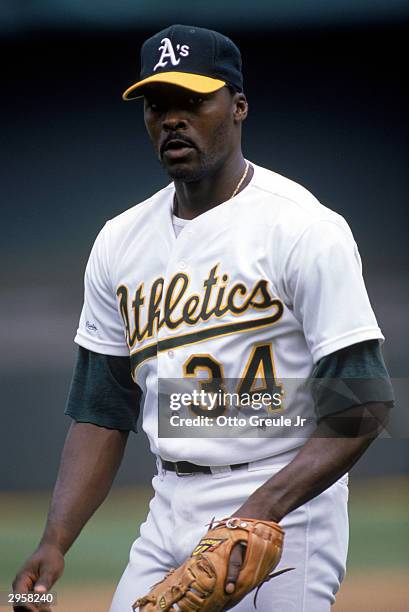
column 183, row 172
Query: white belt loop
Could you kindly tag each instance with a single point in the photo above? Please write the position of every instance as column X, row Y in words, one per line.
column 276, row 462
column 219, row 471
column 159, row 467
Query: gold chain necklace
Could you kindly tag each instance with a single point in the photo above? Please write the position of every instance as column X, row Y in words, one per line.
column 239, row 184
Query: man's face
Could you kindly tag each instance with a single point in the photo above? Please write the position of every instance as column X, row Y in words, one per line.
column 192, row 134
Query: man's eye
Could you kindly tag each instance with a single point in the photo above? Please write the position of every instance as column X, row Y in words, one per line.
column 195, row 100
column 153, row 106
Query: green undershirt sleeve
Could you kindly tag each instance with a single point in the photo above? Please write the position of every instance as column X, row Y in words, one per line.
column 102, row 392
column 352, row 376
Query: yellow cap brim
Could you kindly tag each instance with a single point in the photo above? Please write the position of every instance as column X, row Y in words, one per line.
column 193, row 82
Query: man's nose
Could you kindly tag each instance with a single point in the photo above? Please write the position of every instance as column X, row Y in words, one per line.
column 174, row 120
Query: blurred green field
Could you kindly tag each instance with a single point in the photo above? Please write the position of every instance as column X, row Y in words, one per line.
column 378, row 514
column 379, row 525
column 101, row 552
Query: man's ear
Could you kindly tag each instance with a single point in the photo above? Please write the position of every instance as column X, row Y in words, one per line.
column 241, row 107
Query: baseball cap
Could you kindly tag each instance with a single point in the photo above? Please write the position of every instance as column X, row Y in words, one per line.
column 197, row 59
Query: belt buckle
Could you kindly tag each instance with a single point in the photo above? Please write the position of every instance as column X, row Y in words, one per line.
column 180, row 473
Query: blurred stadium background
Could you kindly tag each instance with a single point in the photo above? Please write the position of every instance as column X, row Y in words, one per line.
column 328, row 107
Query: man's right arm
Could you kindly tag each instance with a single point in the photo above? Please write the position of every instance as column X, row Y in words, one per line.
column 90, row 460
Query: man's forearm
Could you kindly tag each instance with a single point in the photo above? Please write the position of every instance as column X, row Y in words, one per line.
column 324, row 458
column 90, row 460
column 317, row 466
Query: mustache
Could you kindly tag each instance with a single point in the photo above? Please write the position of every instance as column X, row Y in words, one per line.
column 176, row 136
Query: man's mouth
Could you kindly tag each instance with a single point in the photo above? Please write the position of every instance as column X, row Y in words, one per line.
column 175, row 148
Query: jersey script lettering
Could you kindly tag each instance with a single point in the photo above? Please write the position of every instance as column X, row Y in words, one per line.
column 180, row 306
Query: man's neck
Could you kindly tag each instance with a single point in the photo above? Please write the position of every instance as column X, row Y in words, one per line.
column 194, row 198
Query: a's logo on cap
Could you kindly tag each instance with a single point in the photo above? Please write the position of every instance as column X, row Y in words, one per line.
column 168, row 53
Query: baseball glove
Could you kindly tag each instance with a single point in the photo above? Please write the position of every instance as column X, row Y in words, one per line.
column 199, row 584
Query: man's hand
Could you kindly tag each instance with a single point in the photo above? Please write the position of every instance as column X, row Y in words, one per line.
column 256, row 509
column 233, row 571
column 200, row 583
column 38, row 574
column 90, row 460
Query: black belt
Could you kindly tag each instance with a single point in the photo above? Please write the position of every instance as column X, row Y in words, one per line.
column 185, row 468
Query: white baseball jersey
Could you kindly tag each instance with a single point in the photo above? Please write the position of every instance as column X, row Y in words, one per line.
column 268, row 281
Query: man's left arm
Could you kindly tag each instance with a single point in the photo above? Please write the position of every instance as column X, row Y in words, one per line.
column 336, row 445
column 344, row 432
column 353, row 393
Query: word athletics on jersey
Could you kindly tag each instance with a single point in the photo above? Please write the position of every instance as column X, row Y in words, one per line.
column 176, row 306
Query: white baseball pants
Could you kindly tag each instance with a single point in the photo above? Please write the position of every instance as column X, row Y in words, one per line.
column 316, row 537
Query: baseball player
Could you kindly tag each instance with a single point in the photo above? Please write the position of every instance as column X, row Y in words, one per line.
column 236, row 278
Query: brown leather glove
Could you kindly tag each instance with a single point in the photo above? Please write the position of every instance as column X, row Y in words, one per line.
column 199, row 584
